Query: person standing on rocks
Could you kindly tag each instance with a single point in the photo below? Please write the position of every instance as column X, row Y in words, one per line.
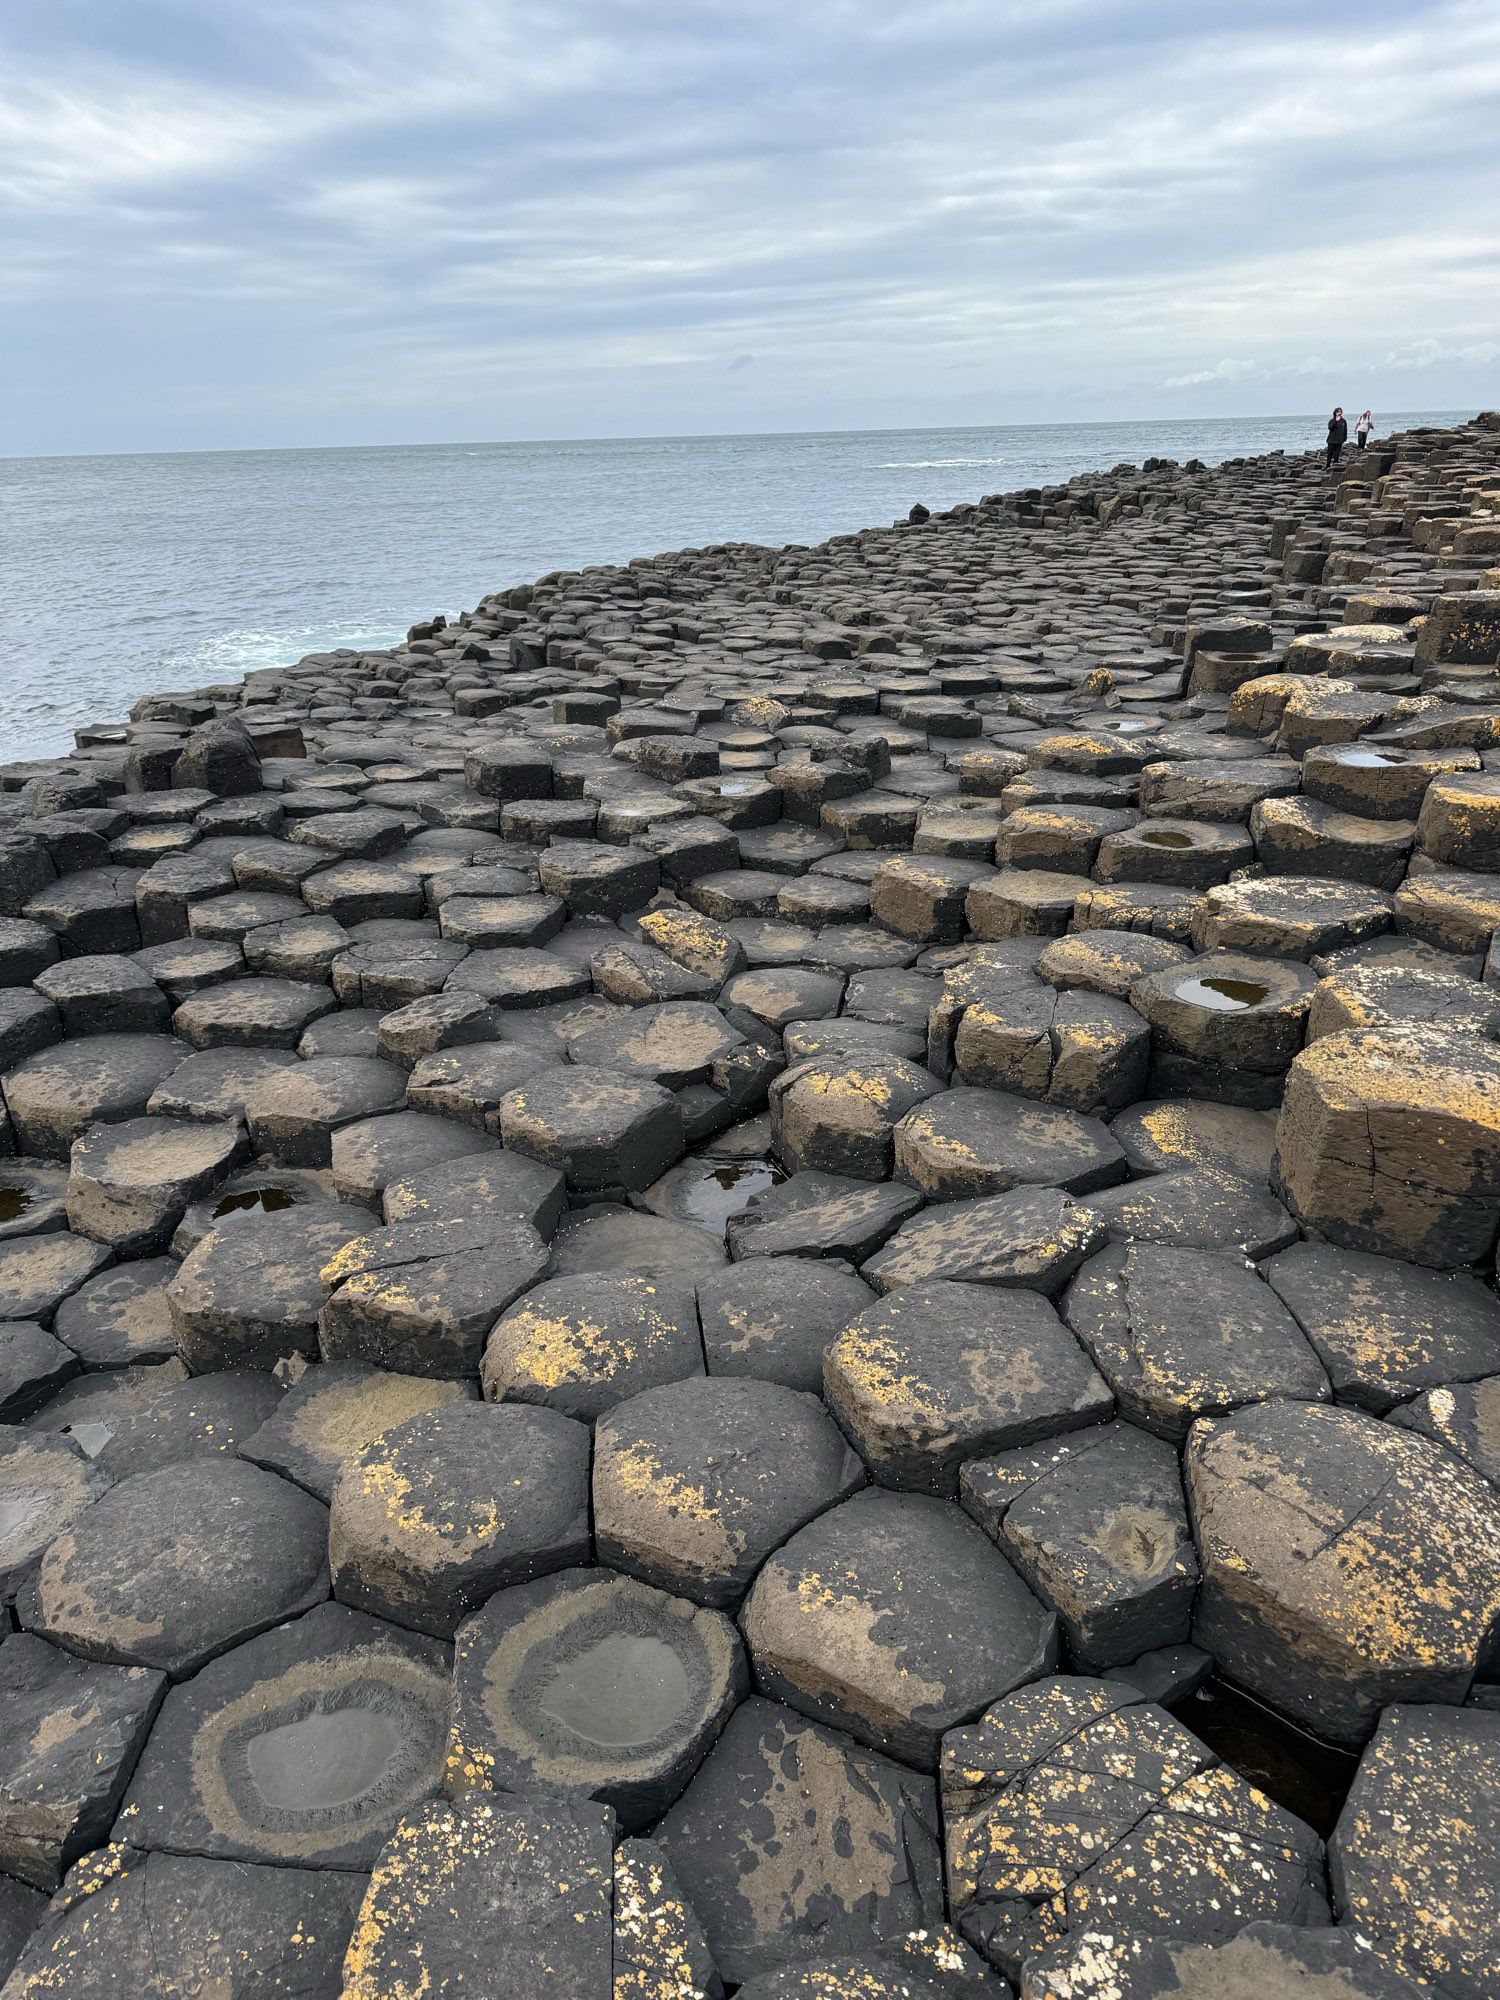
column 1363, row 429
column 1338, row 433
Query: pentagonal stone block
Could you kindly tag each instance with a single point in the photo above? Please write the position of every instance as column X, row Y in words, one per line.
column 1183, row 1334
column 892, row 1617
column 28, row 1024
column 1095, row 1523
column 293, row 1114
column 171, row 1923
column 251, row 1293
column 821, row 1215
column 1390, row 1143
column 436, row 1515
column 1392, row 996
column 1034, row 1238
column 1162, row 1134
column 208, row 1416
column 517, row 981
column 172, row 1567
column 583, row 1344
column 370, row 1153
column 1107, row 962
column 335, row 1409
column 771, row 1881
column 1299, row 836
column 1460, row 821
column 922, row 895
column 1073, row 1797
column 496, row 1184
column 46, row 1483
column 357, row 892
column 1346, row 1564
column 104, row 995
column 1415, row 1859
column 1289, row 916
column 943, row 1371
column 773, row 1317
column 462, row 1890
column 1180, row 853
column 72, row 1734
column 57, row 1094
column 420, row 1297
column 592, row 1684
column 696, row 1483
column 672, row 1045
column 214, row 1084
column 386, row 973
column 838, row 1116
column 251, row 1014
column 92, row 910
column 1199, row 1208
column 595, row 879
column 1386, row 1330
column 33, row 1367
column 303, row 1746
column 468, row 1084
column 129, row 1184
column 38, row 1272
column 695, row 942
column 601, row 1129
column 974, row 1142
column 777, row 994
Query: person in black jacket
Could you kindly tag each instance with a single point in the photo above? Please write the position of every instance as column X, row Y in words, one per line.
column 1338, row 432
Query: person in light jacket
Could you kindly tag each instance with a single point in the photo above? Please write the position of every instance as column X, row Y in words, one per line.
column 1338, row 433
column 1363, row 429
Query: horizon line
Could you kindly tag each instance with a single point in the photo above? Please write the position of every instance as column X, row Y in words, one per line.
column 684, row 437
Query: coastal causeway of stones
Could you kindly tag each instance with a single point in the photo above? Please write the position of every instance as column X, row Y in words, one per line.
column 774, row 1271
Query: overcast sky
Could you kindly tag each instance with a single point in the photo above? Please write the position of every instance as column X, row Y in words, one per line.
column 279, row 222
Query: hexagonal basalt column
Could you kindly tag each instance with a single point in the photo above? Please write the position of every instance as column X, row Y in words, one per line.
column 602, row 1129
column 894, row 1618
column 436, row 1515
column 594, row 1684
column 940, row 1372
column 1390, row 1142
column 1346, row 1564
column 837, row 1116
column 301, row 1747
column 696, row 1483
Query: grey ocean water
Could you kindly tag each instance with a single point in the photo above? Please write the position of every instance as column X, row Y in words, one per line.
column 124, row 575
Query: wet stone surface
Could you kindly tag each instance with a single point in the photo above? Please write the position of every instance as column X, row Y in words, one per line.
column 652, row 1205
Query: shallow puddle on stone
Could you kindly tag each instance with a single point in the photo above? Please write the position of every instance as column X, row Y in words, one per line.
column 14, row 1201
column 726, row 1190
column 1223, row 995
column 1167, row 837
column 255, row 1201
column 620, row 1692
column 91, row 1435
column 330, row 1757
column 1368, row 758
column 1301, row 1772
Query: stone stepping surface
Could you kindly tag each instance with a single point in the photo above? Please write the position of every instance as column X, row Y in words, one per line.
column 775, row 1271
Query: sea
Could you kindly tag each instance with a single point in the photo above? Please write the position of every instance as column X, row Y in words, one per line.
column 127, row 575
